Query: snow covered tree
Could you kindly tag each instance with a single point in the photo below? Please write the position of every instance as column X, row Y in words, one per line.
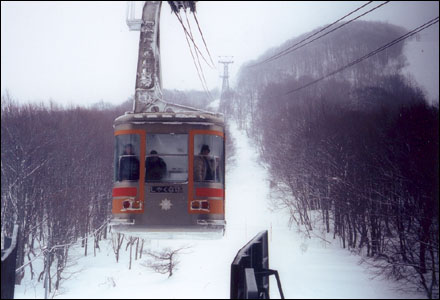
column 164, row 261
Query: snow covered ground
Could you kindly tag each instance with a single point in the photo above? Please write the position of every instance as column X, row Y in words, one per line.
column 309, row 268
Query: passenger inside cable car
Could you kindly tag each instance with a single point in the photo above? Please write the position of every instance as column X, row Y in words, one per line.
column 128, row 164
column 208, row 162
column 204, row 165
column 155, row 167
column 167, row 160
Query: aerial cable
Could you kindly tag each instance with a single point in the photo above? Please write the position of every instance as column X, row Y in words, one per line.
column 203, row 38
column 292, row 48
column 192, row 55
column 399, row 39
column 176, row 6
column 192, row 40
column 194, row 61
column 312, row 35
column 197, row 56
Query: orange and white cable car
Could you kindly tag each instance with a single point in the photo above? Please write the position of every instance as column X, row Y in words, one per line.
column 169, row 162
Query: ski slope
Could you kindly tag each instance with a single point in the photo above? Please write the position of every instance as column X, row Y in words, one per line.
column 309, row 268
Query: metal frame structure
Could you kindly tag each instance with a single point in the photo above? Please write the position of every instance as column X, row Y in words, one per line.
column 250, row 270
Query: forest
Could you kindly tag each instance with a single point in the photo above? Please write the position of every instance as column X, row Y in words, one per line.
column 57, row 177
column 356, row 154
column 359, row 150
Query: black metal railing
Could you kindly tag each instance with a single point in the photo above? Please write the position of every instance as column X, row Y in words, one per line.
column 250, row 270
column 8, row 262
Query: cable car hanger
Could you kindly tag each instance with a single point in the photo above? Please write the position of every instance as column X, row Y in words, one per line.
column 148, row 91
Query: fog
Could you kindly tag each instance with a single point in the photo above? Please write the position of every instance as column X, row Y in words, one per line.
column 82, row 52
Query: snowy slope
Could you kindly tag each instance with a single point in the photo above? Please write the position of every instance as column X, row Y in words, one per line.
column 308, row 268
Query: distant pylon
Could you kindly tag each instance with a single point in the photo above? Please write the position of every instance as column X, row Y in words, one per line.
column 225, row 60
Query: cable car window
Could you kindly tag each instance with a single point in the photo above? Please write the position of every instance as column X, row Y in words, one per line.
column 127, row 157
column 167, row 158
column 208, row 158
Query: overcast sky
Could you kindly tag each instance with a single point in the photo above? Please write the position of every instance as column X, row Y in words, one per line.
column 83, row 52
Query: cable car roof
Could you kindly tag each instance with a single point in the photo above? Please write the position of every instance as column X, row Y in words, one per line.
column 168, row 117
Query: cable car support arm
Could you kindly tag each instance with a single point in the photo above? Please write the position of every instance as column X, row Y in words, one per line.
column 148, row 75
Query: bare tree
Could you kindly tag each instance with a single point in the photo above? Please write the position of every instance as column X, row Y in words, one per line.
column 360, row 147
column 164, row 261
column 117, row 240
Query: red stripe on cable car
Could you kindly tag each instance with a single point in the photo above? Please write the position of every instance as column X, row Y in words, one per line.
column 210, row 192
column 124, row 191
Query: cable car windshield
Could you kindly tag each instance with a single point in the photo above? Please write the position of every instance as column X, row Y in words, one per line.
column 167, row 158
column 208, row 158
column 127, row 157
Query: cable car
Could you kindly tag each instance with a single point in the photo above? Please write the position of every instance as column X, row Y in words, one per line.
column 169, row 174
column 169, row 159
